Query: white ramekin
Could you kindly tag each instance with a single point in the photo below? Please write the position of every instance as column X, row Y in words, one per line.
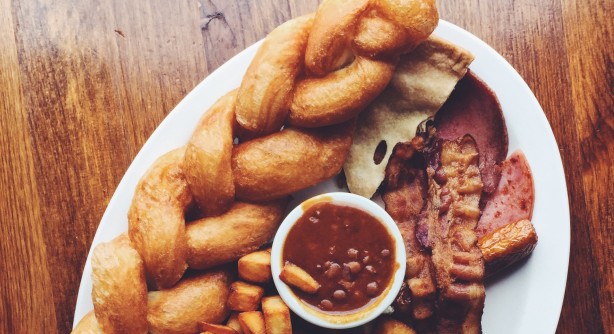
column 346, row 320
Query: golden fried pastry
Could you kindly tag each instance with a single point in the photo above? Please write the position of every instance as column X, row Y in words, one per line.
column 330, row 39
column 119, row 291
column 293, row 159
column 195, row 299
column 243, row 229
column 395, row 26
column 156, row 222
column 341, row 95
column 266, row 90
column 207, row 158
column 88, row 325
column 352, row 51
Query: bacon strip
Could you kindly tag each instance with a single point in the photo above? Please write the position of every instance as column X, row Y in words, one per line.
column 455, row 188
column 405, row 198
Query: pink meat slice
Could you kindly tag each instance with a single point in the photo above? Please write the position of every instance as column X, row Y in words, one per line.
column 474, row 109
column 513, row 199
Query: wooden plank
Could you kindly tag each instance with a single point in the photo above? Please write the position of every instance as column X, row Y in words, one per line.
column 98, row 78
column 589, row 34
column 228, row 27
column 24, row 271
column 160, row 59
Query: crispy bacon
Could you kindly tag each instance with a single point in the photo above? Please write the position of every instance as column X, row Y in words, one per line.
column 454, row 191
column 405, row 198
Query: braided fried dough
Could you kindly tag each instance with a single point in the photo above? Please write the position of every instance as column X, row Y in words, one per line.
column 330, row 40
column 156, row 223
column 277, row 165
column 201, row 297
column 243, row 229
column 266, row 90
column 395, row 26
column 116, row 265
column 341, row 95
column 207, row 158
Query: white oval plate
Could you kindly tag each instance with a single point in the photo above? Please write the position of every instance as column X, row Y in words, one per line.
column 526, row 300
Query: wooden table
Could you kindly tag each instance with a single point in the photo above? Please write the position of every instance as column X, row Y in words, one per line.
column 84, row 83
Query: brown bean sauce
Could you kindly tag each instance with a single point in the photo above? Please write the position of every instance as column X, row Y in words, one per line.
column 347, row 250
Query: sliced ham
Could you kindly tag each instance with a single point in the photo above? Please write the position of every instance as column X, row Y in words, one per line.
column 513, row 199
column 474, row 109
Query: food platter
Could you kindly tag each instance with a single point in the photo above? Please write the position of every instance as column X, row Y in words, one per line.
column 526, row 299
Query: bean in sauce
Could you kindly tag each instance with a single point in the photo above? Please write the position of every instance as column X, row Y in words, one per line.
column 347, row 250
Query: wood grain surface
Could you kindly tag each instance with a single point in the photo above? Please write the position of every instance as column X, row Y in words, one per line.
column 84, row 83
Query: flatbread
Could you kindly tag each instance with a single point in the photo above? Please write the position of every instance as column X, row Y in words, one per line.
column 422, row 82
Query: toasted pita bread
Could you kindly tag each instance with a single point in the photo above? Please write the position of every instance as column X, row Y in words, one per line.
column 422, row 82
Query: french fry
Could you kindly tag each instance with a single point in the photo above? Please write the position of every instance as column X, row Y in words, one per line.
column 276, row 316
column 256, row 267
column 387, row 325
column 252, row 322
column 293, row 275
column 244, row 296
column 216, row 329
column 233, row 322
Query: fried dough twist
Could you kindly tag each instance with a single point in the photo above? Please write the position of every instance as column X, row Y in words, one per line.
column 116, row 265
column 156, row 223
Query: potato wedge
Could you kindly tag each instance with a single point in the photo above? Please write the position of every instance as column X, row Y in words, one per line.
column 274, row 166
column 244, row 296
column 207, row 158
column 156, row 222
column 216, row 329
column 198, row 298
column 119, row 290
column 252, row 322
column 276, row 316
column 295, row 276
column 245, row 228
column 233, row 322
column 387, row 325
column 256, row 267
